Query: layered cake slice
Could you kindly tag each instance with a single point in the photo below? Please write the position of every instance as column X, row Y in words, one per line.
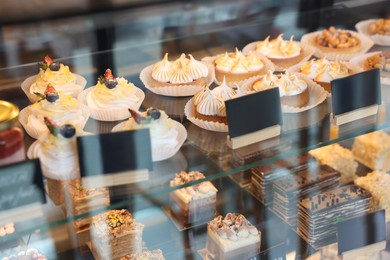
column 377, row 183
column 319, row 214
column 80, row 200
column 307, row 181
column 232, row 237
column 373, row 150
column 265, row 175
column 193, row 204
column 338, row 158
column 115, row 234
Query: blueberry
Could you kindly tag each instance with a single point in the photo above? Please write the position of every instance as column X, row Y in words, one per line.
column 154, row 113
column 111, row 83
column 52, row 97
column 55, row 66
column 67, row 131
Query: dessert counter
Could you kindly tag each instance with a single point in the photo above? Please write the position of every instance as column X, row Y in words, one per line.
column 83, row 136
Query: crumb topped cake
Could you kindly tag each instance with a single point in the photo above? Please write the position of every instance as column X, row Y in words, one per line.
column 336, row 40
column 232, row 237
column 115, row 234
column 195, row 203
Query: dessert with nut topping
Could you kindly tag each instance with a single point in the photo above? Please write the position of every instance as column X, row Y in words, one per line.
column 336, row 40
column 380, row 26
column 380, row 61
column 115, row 234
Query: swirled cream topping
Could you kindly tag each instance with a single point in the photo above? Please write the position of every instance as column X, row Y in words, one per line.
column 193, row 192
column 58, row 156
column 63, row 79
column 224, row 91
column 233, row 227
column 289, row 84
column 122, row 96
column 162, row 130
column 237, row 62
column 323, row 70
column 210, row 104
column 65, row 110
column 279, row 48
column 181, row 71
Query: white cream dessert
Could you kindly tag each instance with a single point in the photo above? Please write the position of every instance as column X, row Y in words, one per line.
column 182, row 71
column 57, row 74
column 112, row 93
column 232, row 237
column 162, row 128
column 279, row 48
column 324, row 71
column 293, row 90
column 193, row 204
column 236, row 66
column 59, row 107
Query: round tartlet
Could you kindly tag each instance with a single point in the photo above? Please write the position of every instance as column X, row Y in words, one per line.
column 336, row 40
column 380, row 26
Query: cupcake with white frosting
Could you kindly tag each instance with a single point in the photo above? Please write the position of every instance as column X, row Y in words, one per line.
column 61, row 108
column 181, row 77
column 57, row 74
column 111, row 97
column 166, row 135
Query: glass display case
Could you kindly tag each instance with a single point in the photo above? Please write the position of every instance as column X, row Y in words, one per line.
column 276, row 184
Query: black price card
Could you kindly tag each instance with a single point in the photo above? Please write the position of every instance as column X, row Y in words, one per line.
column 361, row 231
column 21, row 191
column 115, row 158
column 254, row 118
column 356, row 96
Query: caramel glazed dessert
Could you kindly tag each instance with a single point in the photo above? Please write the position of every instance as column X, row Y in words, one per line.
column 336, row 40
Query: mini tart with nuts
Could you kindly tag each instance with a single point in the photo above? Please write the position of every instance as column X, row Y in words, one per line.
column 182, row 71
column 380, row 26
column 336, row 40
column 378, row 61
column 236, row 66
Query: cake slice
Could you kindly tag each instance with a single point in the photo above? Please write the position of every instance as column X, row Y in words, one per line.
column 377, row 183
column 308, row 180
column 80, row 200
column 373, row 150
column 232, row 237
column 319, row 214
column 339, row 158
column 115, row 234
column 193, row 204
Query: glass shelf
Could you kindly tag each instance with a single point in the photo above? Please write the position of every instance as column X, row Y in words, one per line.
column 203, row 150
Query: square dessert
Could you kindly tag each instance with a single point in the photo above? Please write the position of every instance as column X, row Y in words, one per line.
column 115, row 234
column 339, row 158
column 373, row 150
column 79, row 200
column 232, row 237
column 193, row 204
column 377, row 183
column 263, row 176
column 319, row 214
column 307, row 181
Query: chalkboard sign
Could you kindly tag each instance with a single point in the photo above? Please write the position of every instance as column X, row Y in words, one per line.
column 356, row 91
column 361, row 231
column 253, row 112
column 21, row 184
column 118, row 153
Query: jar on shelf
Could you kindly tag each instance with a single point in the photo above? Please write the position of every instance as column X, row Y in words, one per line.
column 11, row 135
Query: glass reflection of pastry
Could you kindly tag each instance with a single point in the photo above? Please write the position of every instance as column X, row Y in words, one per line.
column 336, row 40
column 380, row 26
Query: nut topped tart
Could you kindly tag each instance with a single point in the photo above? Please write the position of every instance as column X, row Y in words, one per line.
column 57, row 74
column 115, row 234
column 380, row 26
column 193, row 204
column 232, row 237
column 59, row 107
column 380, row 61
column 336, row 40
column 236, row 66
column 111, row 97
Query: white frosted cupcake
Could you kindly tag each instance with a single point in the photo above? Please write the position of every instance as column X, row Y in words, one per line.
column 57, row 153
column 57, row 74
column 61, row 108
column 111, row 97
column 166, row 135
